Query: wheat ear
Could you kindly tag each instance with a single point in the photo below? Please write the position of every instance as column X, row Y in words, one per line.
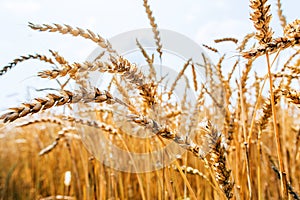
column 60, row 59
column 148, row 59
column 92, row 123
column 24, row 58
column 167, row 133
column 261, row 20
column 42, row 120
column 67, row 29
column 218, row 159
column 39, row 104
column 291, row 38
column 282, row 18
column 180, row 74
column 61, row 134
column 244, row 42
column 292, row 95
column 267, row 110
column 154, row 28
column 226, row 39
column 210, row 48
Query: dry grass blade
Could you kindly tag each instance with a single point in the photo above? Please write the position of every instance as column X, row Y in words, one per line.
column 24, row 58
column 154, row 28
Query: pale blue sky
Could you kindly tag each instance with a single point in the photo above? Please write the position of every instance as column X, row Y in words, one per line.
column 201, row 20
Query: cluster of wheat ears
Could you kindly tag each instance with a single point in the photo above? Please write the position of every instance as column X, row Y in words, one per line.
column 251, row 152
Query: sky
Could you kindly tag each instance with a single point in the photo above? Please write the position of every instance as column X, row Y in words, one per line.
column 201, row 20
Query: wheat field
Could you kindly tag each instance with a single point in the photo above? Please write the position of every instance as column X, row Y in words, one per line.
column 240, row 137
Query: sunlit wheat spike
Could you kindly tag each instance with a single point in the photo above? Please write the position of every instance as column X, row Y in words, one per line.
column 226, row 39
column 210, row 48
column 274, row 46
column 232, row 70
column 148, row 59
column 67, row 29
column 245, row 75
column 60, row 59
column 245, row 40
column 154, row 28
column 292, row 31
column 261, row 18
column 166, row 132
column 282, row 18
column 24, row 58
column 105, row 127
column 51, row 120
column 292, row 95
column 267, row 110
column 217, row 147
column 51, row 100
column 123, row 91
column 194, row 77
column 61, row 134
column 219, row 69
column 180, row 74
